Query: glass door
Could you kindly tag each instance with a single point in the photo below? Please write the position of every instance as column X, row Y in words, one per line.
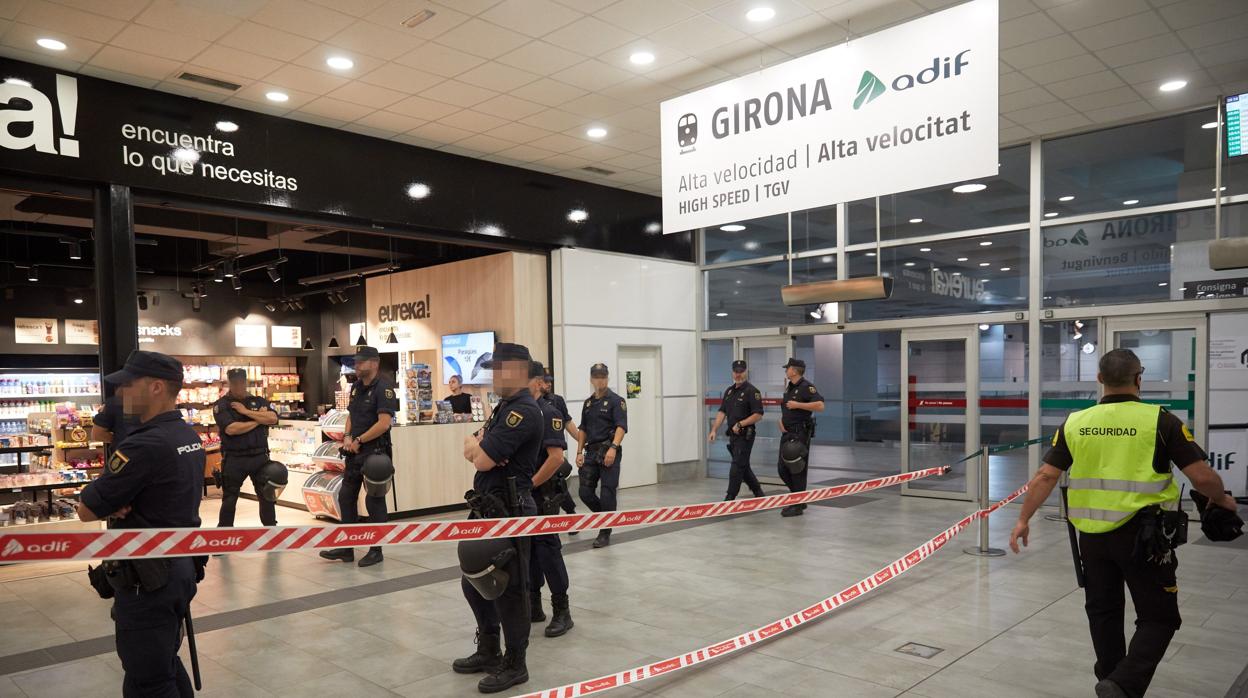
column 940, row 409
column 1175, row 353
column 766, row 357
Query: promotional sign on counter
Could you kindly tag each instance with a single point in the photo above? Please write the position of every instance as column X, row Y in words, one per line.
column 909, row 107
column 82, row 332
column 35, row 330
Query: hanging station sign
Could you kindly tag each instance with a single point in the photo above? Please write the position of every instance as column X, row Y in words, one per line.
column 909, row 107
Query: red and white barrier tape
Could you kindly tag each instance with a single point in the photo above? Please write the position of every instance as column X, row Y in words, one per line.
column 756, row 636
column 121, row 544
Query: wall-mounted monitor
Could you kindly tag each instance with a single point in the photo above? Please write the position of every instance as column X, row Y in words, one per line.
column 463, row 354
column 1236, row 120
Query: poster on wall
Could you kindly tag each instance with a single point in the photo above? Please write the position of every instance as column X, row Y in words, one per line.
column 35, row 330
column 633, row 383
column 251, row 336
column 287, row 337
column 910, row 107
column 82, row 332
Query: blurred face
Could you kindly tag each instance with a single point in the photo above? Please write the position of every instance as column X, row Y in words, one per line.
column 139, row 395
column 792, row 374
column 738, row 376
column 367, row 368
column 455, row 384
column 599, row 383
column 546, row 386
column 238, row 387
column 511, row 377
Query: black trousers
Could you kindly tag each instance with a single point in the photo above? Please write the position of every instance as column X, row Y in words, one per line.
column 740, row 471
column 511, row 610
column 796, row 482
column 1109, row 563
column 149, row 633
column 349, row 494
column 234, row 470
column 546, row 561
column 594, row 476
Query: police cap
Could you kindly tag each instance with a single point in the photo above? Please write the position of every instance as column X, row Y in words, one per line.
column 235, row 374
column 738, row 366
column 506, row 351
column 153, row 364
column 795, row 363
column 364, row 353
column 536, row 370
column 598, row 371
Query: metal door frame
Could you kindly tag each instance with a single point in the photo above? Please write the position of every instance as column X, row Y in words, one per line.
column 1195, row 321
column 740, row 344
column 970, row 335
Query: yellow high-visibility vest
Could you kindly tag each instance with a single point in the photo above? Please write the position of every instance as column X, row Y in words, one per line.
column 1113, row 446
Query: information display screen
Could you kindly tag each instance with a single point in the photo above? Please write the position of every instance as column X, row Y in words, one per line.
column 1236, row 119
column 463, row 354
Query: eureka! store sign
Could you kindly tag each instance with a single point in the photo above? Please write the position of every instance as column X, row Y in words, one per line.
column 909, row 107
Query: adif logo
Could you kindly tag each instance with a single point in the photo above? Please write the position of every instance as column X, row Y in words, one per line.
column 35, row 108
column 345, row 536
column 599, row 684
column 870, row 87
column 229, row 542
column 14, row 547
column 812, row 612
column 630, row 518
column 1079, row 238
column 725, row 646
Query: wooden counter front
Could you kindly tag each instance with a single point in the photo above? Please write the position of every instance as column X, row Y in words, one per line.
column 429, row 466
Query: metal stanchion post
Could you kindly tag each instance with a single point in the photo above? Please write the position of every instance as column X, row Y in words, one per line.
column 983, row 550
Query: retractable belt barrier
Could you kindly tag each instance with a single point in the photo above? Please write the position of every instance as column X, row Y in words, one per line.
column 146, row 543
column 758, row 635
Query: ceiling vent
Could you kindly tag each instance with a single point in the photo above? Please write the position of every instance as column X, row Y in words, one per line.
column 210, row 82
column 598, row 171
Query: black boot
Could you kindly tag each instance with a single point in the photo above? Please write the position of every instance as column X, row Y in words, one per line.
column 795, row 510
column 339, row 554
column 561, row 616
column 603, row 539
column 759, row 493
column 486, row 658
column 373, row 557
column 511, row 672
column 535, row 607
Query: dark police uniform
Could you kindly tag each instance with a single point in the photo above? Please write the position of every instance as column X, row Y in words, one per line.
column 1109, row 560
column 366, row 405
column 739, row 402
column 568, row 504
column 460, row 404
column 600, row 417
column 158, row 471
column 242, row 456
column 513, row 438
column 113, row 418
column 799, row 424
column 547, row 562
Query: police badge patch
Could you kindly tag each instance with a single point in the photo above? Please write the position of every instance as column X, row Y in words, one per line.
column 812, row 388
column 117, row 461
column 389, row 394
column 514, row 418
column 556, row 424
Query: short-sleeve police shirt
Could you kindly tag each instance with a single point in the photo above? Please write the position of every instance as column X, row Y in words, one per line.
column 255, row 440
column 158, row 471
column 1175, row 443
column 741, row 401
column 560, row 404
column 802, row 391
column 370, row 401
column 552, row 421
column 513, row 439
column 602, row 415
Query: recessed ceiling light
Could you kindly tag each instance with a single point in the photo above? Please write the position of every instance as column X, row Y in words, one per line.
column 909, row 264
column 732, row 228
column 1211, row 124
column 925, row 249
column 963, row 259
column 490, row 229
column 418, row 190
column 78, row 301
column 916, row 220
column 983, row 328
column 969, row 188
column 227, row 126
column 1051, row 214
column 641, row 58
column 1164, row 283
column 986, row 243
column 340, row 63
column 17, row 81
column 760, row 14
column 1068, row 197
column 1130, row 202
column 186, row 154
column 653, row 228
column 578, row 215
column 1221, row 188
column 721, row 314
column 596, row 132
column 870, row 254
column 1005, row 268
column 827, row 259
column 275, row 96
column 750, row 245
column 983, row 264
column 1172, row 85
column 52, row 44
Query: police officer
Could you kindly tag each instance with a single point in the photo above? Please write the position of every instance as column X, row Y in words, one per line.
column 243, row 421
column 152, row 480
column 1118, row 455
column 111, row 424
column 797, row 424
column 546, row 562
column 370, row 414
column 505, row 454
column 604, row 421
column 742, row 408
column 568, row 504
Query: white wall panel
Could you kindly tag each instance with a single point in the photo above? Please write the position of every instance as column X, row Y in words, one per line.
column 681, row 429
column 627, row 291
column 585, row 346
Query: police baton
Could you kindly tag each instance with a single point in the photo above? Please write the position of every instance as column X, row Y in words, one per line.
column 1074, row 541
column 190, row 644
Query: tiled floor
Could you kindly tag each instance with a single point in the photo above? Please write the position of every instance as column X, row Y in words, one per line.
column 1010, row 626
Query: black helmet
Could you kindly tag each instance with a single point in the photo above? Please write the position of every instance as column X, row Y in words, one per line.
column 378, row 473
column 1218, row 524
column 793, row 453
column 485, row 564
column 272, row 478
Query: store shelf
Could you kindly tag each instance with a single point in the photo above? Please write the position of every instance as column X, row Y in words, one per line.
column 25, row 449
column 53, row 486
column 46, row 395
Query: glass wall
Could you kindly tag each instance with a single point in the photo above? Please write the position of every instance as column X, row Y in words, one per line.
column 717, row 377
column 743, row 240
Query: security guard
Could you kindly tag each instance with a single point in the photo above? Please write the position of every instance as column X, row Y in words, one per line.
column 546, row 562
column 568, row 504
column 797, row 424
column 1123, row 501
column 152, row 480
column 604, row 421
column 370, row 414
column 243, row 421
column 505, row 454
column 742, row 408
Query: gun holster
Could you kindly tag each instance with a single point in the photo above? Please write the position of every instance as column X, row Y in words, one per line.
column 486, row 505
column 113, row 576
